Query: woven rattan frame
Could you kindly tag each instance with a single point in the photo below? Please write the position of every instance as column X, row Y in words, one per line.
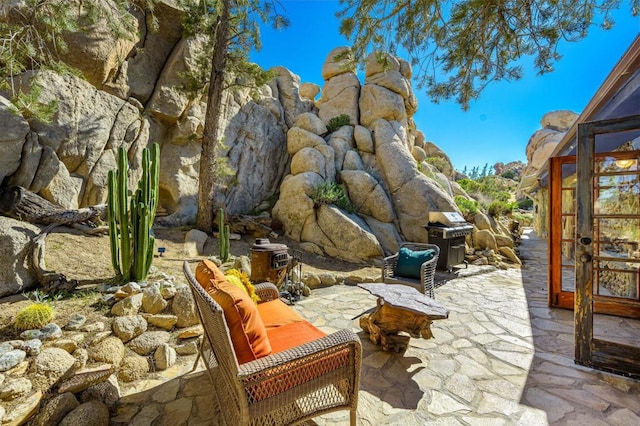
column 285, row 388
column 427, row 270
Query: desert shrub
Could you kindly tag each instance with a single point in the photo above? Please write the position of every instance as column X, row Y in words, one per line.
column 494, row 193
column 500, row 208
column 332, row 193
column 468, row 208
column 525, row 219
column 336, row 122
column 36, row 315
column 438, row 162
column 525, row 204
column 509, row 174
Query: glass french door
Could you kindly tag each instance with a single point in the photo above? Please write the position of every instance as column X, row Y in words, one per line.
column 616, row 226
column 607, row 248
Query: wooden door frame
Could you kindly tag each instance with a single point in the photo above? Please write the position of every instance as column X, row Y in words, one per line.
column 556, row 297
column 590, row 351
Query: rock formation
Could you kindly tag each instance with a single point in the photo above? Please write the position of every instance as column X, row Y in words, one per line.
column 542, row 143
column 276, row 143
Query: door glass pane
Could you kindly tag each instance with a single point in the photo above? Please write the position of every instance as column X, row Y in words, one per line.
column 568, row 278
column 617, row 279
column 618, row 237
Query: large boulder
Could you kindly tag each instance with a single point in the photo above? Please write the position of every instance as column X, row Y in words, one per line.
column 12, row 138
column 367, row 195
column 287, row 89
column 379, row 102
column 15, row 237
column 311, row 123
column 349, row 237
column 168, row 102
column 257, row 140
column 340, row 96
column 143, row 69
column 387, row 71
column 338, row 61
column 560, row 120
column 299, row 138
column 96, row 411
column 75, row 159
column 295, row 205
column 98, row 53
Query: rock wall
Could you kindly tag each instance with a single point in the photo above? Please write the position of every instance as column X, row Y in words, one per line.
column 276, row 142
column 129, row 96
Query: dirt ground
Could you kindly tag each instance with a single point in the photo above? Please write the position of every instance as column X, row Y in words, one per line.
column 88, row 260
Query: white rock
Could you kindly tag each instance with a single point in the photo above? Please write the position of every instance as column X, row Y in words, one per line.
column 152, row 300
column 195, row 238
column 129, row 306
column 164, row 356
column 128, row 327
column 10, row 359
column 184, row 308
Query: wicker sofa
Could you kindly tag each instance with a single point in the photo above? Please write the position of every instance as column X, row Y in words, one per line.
column 422, row 277
column 297, row 373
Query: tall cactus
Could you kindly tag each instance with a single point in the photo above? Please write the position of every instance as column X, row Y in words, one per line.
column 223, row 237
column 130, row 221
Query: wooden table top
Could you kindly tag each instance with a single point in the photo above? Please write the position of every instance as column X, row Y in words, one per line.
column 405, row 297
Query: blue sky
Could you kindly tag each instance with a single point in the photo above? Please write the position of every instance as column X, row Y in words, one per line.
column 497, row 127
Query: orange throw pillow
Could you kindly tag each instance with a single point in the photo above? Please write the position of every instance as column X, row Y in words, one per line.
column 206, row 271
column 248, row 334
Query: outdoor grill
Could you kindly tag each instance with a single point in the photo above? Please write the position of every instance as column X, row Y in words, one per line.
column 448, row 230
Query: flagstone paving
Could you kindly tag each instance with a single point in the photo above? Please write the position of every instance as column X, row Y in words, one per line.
column 503, row 357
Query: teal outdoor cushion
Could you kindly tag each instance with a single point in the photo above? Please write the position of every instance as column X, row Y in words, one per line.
column 409, row 262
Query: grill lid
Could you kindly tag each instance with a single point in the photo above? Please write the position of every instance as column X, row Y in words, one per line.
column 447, row 218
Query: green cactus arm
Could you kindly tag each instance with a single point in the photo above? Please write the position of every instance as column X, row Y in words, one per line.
column 143, row 184
column 135, row 229
column 112, row 215
column 149, row 259
column 226, row 242
column 155, row 179
column 142, row 246
column 125, row 242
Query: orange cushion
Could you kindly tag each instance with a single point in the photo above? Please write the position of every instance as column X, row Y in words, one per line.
column 207, row 271
column 276, row 313
column 292, row 334
column 248, row 334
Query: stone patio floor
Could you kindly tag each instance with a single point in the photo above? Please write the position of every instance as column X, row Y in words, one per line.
column 503, row 357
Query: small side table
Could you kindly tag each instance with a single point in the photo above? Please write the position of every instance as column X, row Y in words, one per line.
column 400, row 308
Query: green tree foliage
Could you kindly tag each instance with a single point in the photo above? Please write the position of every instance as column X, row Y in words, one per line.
column 232, row 29
column 458, row 47
column 32, row 38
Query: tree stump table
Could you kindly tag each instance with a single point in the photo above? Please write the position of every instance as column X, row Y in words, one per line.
column 400, row 308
